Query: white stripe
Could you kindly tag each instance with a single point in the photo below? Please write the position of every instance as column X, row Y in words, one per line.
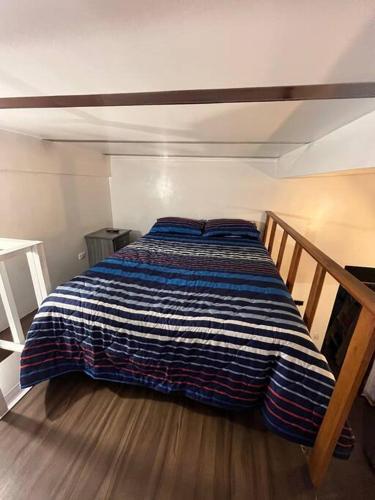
column 212, row 359
column 177, row 317
column 213, row 342
column 104, row 345
column 221, row 254
column 203, row 366
column 318, row 381
column 191, row 245
column 158, row 302
column 187, row 363
column 295, row 382
column 190, row 294
column 243, row 253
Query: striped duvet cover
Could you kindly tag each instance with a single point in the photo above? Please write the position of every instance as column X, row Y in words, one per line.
column 210, row 318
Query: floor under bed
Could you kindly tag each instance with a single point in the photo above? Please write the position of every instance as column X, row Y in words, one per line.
column 75, row 438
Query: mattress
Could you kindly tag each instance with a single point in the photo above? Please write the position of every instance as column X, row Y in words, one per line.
column 209, row 318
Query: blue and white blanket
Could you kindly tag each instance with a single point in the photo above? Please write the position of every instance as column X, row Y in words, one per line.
column 210, row 318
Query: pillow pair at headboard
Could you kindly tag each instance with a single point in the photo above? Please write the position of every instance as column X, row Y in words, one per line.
column 178, row 225
column 219, row 228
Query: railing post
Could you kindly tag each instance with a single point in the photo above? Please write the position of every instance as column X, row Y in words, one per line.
column 357, row 359
column 272, row 236
column 265, row 230
column 314, row 296
column 294, row 267
column 281, row 250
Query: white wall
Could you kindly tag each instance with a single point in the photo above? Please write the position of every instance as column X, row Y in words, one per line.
column 143, row 189
column 53, row 193
column 337, row 213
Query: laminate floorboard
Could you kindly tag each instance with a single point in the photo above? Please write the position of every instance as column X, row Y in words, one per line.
column 76, row 438
column 79, row 439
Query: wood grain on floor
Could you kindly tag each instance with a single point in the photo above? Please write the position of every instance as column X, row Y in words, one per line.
column 75, row 438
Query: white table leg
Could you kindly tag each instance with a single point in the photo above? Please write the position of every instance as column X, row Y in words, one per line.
column 3, row 405
column 10, row 306
column 39, row 272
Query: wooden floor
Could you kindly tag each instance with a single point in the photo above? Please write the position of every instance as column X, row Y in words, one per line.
column 75, row 438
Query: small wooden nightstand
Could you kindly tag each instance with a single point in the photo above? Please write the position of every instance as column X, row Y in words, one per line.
column 105, row 242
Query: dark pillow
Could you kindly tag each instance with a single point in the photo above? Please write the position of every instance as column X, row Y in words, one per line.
column 178, row 225
column 230, row 228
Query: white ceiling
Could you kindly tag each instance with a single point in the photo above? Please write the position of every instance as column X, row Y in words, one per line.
column 93, row 46
column 267, row 129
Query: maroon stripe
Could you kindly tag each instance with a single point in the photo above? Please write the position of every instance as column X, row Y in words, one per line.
column 91, row 356
column 163, row 379
column 307, row 410
column 189, row 263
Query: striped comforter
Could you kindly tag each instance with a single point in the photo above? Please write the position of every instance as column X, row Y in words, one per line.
column 210, row 318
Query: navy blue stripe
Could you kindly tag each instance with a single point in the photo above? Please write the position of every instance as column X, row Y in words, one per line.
column 157, row 274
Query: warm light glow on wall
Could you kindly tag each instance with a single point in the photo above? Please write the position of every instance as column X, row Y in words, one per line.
column 320, row 215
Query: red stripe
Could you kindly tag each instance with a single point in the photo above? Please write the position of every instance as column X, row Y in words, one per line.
column 346, row 428
column 201, row 263
column 287, row 421
column 92, row 353
column 308, row 410
column 154, row 369
column 292, row 402
column 291, row 413
column 141, row 372
column 342, row 445
column 177, row 372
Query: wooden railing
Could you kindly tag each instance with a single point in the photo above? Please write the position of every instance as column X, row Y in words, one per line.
column 361, row 348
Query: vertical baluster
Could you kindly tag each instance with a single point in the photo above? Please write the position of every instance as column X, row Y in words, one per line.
column 281, row 250
column 314, row 296
column 294, row 267
column 272, row 237
column 357, row 359
column 265, row 230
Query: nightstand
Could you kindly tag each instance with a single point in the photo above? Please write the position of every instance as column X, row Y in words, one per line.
column 103, row 243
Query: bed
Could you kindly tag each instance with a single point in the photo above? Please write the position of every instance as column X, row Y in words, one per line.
column 209, row 317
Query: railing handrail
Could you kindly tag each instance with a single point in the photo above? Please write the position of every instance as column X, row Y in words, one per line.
column 360, row 292
column 361, row 346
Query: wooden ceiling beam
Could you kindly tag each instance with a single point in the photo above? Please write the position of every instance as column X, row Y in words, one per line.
column 196, row 96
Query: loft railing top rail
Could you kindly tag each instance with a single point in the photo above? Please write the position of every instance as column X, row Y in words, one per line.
column 360, row 292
